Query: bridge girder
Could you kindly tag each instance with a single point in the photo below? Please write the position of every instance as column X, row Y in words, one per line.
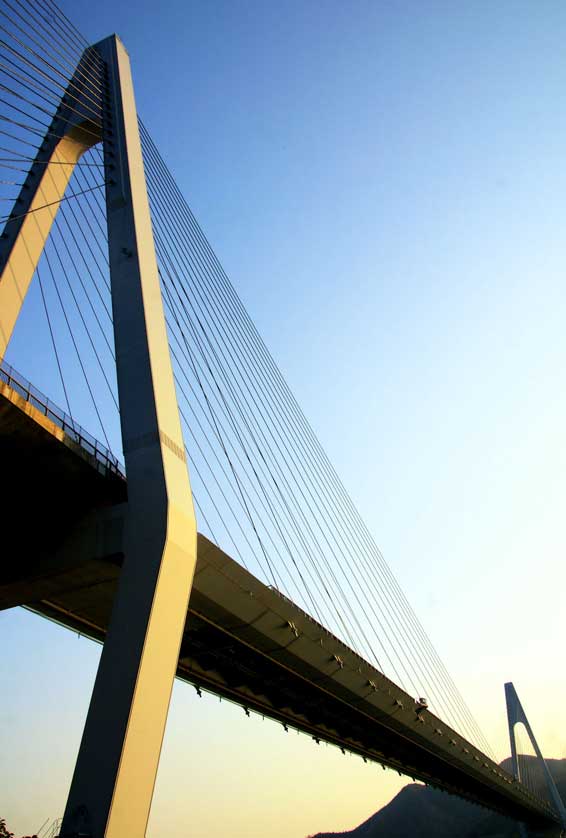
column 242, row 640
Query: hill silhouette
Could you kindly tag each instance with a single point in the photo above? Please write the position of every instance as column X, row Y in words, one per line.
column 422, row 812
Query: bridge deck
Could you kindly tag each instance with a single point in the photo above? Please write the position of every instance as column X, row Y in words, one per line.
column 242, row 640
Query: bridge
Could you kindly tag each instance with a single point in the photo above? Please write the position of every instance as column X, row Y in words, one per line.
column 284, row 604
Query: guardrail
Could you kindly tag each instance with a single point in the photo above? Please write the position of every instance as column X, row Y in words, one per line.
column 41, row 402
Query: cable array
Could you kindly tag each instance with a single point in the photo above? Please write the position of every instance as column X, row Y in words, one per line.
column 277, row 503
column 41, row 61
column 530, row 772
column 264, row 489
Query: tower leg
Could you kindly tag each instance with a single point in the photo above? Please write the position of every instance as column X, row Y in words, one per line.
column 113, row 783
column 516, row 715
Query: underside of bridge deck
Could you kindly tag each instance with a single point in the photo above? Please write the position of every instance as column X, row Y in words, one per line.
column 243, row 640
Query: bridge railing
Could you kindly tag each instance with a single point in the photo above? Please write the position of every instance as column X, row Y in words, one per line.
column 41, row 402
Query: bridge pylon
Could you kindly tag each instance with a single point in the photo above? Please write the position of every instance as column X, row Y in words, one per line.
column 516, row 715
column 114, row 777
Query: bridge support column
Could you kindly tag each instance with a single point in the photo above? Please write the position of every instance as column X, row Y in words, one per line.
column 115, row 773
column 112, row 786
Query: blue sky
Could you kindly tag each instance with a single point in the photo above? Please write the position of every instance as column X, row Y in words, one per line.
column 383, row 182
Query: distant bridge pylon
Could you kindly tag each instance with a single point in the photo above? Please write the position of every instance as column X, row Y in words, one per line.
column 516, row 715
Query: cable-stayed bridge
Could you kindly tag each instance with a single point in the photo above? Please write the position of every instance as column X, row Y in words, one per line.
column 281, row 601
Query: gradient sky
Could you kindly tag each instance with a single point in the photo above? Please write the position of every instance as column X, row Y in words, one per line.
column 384, row 184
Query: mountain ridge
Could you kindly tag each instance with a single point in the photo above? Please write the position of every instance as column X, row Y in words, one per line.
column 419, row 811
